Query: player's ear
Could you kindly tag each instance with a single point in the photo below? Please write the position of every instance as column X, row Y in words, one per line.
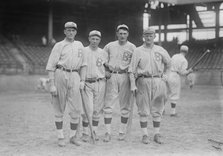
column 75, row 32
column 117, row 33
column 154, row 35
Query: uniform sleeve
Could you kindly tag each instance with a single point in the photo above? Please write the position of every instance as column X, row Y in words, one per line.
column 84, row 56
column 183, row 70
column 104, row 56
column 54, row 58
column 106, row 50
column 134, row 62
column 133, row 47
column 166, row 60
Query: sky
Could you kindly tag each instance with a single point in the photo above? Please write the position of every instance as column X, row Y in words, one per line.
column 208, row 19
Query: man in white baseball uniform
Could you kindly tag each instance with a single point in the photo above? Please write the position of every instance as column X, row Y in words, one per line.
column 179, row 67
column 118, row 85
column 65, row 63
column 150, row 65
column 94, row 83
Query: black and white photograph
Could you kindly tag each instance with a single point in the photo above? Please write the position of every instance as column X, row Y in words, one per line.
column 111, row 77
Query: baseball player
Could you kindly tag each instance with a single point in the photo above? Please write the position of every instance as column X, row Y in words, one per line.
column 94, row 83
column 179, row 66
column 118, row 85
column 150, row 65
column 65, row 63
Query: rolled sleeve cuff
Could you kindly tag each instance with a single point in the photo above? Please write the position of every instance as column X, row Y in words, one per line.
column 84, row 64
column 50, row 68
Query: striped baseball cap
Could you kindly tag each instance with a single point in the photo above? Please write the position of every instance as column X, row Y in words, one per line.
column 122, row 26
column 70, row 25
column 95, row 33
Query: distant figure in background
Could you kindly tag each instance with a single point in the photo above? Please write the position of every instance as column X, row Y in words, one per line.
column 43, row 84
column 44, row 41
column 179, row 66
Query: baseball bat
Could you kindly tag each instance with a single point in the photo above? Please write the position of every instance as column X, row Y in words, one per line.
column 200, row 59
column 87, row 114
column 216, row 142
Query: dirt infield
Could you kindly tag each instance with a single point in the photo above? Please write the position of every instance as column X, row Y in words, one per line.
column 27, row 127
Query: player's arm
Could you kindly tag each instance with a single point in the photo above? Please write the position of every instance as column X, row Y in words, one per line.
column 51, row 67
column 83, row 70
column 167, row 64
column 132, row 69
column 167, row 61
column 105, row 64
column 107, row 56
column 183, row 71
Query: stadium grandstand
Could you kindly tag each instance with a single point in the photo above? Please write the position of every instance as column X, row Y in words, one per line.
column 196, row 23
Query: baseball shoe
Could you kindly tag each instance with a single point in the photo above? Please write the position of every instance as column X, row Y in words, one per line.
column 73, row 140
column 174, row 115
column 145, row 139
column 107, row 137
column 61, row 142
column 85, row 137
column 157, row 139
column 121, row 136
column 95, row 136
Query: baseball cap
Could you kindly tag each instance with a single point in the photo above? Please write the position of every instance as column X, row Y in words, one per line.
column 70, row 25
column 149, row 30
column 122, row 26
column 95, row 33
column 184, row 48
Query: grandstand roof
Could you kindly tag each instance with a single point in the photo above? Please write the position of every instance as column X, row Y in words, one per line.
column 101, row 2
column 182, row 2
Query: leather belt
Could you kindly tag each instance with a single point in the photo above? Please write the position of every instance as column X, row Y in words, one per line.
column 175, row 72
column 118, row 72
column 64, row 69
column 94, row 80
column 149, row 76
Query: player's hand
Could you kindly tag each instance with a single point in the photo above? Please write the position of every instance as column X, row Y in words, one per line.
column 107, row 74
column 165, row 77
column 190, row 71
column 53, row 90
column 82, row 85
column 133, row 89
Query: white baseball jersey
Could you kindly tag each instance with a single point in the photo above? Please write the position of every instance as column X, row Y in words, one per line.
column 147, row 61
column 179, row 64
column 119, row 56
column 95, row 59
column 67, row 54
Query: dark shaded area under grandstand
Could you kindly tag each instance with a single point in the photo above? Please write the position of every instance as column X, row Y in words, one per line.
column 24, row 22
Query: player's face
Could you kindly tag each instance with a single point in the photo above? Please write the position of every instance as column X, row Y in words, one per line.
column 122, row 35
column 149, row 38
column 70, row 33
column 94, row 41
